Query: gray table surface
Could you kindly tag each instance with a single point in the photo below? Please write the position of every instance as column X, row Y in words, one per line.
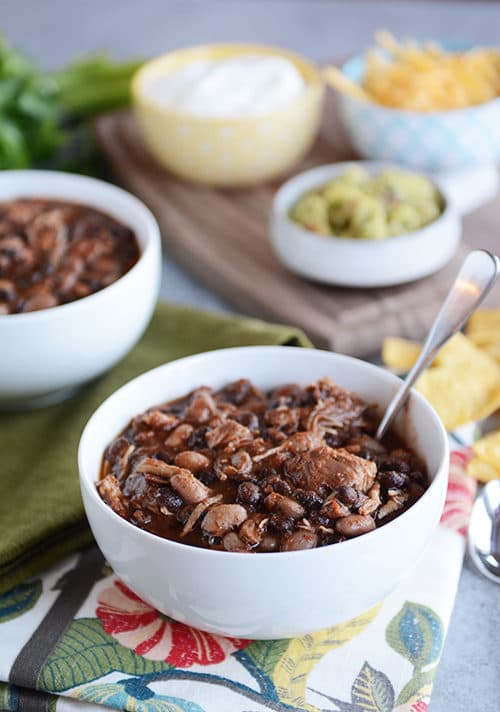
column 54, row 31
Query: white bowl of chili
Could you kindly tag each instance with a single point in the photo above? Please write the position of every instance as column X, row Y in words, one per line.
column 264, row 595
column 48, row 352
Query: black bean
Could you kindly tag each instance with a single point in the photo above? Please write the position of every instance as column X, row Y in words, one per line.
column 196, row 440
column 237, row 392
column 347, row 495
column 169, row 499
column 419, row 477
column 207, row 477
column 391, row 478
column 334, row 439
column 183, row 513
column 385, row 463
column 249, row 493
column 366, row 454
column 164, row 456
column 286, row 395
column 118, row 447
column 324, row 491
column 248, row 419
column 309, row 500
column 334, row 538
column 274, row 483
column 320, row 520
column 281, row 524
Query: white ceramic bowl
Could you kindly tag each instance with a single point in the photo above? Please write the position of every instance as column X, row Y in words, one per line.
column 431, row 141
column 353, row 262
column 44, row 355
column 274, row 595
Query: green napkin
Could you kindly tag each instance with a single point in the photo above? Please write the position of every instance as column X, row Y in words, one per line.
column 40, row 506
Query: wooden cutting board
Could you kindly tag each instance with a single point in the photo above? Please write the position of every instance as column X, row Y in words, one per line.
column 220, row 236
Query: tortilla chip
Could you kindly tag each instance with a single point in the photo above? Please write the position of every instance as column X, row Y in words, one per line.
column 483, row 336
column 463, row 383
column 481, row 470
column 400, row 354
column 484, row 330
column 488, row 448
column 493, row 350
column 484, row 320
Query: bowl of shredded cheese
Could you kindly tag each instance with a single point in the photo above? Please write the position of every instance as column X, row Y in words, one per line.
column 428, row 106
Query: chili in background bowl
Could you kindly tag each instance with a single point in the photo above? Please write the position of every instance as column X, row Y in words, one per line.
column 267, row 595
column 46, row 354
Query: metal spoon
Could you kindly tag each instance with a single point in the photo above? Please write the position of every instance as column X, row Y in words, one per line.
column 484, row 531
column 474, row 280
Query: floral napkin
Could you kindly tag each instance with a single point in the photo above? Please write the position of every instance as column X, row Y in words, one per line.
column 77, row 638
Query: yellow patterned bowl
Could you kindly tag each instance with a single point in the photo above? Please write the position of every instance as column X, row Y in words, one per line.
column 231, row 151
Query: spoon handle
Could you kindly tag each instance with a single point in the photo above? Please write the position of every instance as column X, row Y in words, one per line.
column 475, row 279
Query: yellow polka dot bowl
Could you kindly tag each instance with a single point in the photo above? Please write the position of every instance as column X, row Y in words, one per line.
column 232, row 151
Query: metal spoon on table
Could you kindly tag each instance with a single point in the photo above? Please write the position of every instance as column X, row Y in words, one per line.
column 474, row 280
column 484, row 531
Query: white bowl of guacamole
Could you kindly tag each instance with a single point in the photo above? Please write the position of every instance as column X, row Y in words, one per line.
column 370, row 224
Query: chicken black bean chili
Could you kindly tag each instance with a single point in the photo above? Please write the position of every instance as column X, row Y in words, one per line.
column 53, row 252
column 242, row 470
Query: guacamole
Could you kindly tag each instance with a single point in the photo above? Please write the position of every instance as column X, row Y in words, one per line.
column 358, row 205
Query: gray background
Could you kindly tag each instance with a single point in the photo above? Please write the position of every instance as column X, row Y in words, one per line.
column 54, row 31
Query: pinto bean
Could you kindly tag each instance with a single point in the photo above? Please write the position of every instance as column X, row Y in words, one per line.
column 7, row 289
column 190, row 489
column 69, row 274
column 333, row 509
column 44, row 300
column 252, row 530
column 232, row 542
column 201, row 408
column 299, row 539
column 158, row 421
column 178, row 437
column 237, row 465
column 222, row 518
column 275, row 502
column 354, row 525
column 249, row 493
column 191, row 460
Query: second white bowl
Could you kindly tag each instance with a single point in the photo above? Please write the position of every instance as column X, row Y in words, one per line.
column 45, row 354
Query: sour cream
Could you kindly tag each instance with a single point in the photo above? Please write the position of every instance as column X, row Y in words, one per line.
column 246, row 85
